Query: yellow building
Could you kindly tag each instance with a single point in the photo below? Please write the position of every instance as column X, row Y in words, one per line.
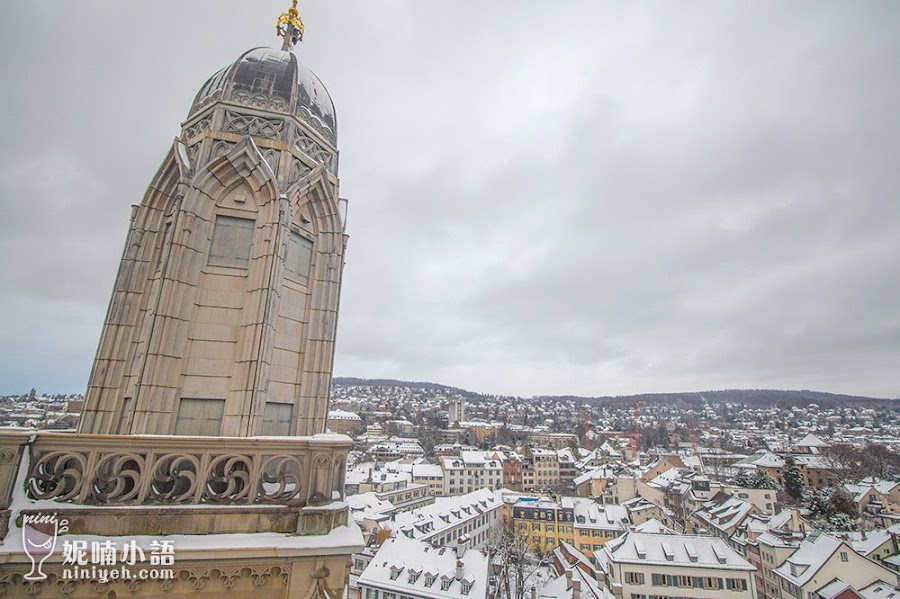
column 578, row 521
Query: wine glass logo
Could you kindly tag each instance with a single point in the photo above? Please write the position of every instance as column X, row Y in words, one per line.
column 39, row 532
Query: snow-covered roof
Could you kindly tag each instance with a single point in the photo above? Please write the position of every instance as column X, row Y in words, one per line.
column 592, row 515
column 690, row 551
column 834, row 589
column 343, row 415
column 427, row 470
column 472, row 459
column 810, row 440
column 724, row 512
column 407, row 566
column 368, row 505
column 654, row 526
column 571, row 556
column 563, row 588
column 864, row 546
column 808, row 559
column 446, row 512
column 880, row 590
column 601, row 472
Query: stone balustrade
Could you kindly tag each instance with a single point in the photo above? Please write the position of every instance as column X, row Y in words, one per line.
column 113, row 470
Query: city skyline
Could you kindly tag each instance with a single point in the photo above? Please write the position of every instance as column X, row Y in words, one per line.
column 590, row 200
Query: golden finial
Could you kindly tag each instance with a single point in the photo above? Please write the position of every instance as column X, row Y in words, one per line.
column 289, row 27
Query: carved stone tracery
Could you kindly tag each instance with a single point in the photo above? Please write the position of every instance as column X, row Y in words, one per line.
column 159, row 472
column 256, row 126
column 315, row 151
column 196, row 128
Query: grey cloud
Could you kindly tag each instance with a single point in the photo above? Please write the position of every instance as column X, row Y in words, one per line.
column 566, row 197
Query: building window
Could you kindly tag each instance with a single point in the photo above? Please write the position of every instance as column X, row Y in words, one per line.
column 736, row 584
column 634, row 577
column 231, row 242
column 844, row 556
column 202, row 417
column 299, row 256
column 277, row 419
column 466, row 587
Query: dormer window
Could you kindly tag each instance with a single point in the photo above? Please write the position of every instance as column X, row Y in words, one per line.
column 466, row 587
column 413, row 576
column 429, row 579
column 395, row 572
column 445, row 583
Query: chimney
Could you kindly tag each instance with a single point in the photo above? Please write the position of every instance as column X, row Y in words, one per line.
column 459, row 569
column 533, row 592
column 576, row 589
column 462, row 544
column 568, row 579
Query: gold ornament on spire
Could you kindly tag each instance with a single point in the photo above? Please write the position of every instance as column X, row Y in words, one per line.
column 289, row 27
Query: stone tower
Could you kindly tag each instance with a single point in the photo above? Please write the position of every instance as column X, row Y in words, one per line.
column 456, row 411
column 204, row 420
column 223, row 316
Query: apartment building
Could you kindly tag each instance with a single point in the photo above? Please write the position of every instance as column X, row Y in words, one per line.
column 540, row 470
column 472, row 470
column 584, row 524
column 450, row 518
column 645, row 566
column 820, row 560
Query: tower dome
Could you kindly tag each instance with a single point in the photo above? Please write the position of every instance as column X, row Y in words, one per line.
column 275, row 81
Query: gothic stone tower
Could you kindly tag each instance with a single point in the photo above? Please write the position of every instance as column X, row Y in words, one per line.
column 205, row 412
column 223, row 316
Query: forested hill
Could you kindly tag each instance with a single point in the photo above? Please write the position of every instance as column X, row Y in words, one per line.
column 744, row 396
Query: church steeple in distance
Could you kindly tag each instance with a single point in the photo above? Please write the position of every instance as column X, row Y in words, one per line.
column 289, row 27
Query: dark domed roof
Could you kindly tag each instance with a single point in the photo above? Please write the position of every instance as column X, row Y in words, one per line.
column 273, row 80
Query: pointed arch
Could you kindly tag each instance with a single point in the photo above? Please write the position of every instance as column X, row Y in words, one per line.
column 242, row 164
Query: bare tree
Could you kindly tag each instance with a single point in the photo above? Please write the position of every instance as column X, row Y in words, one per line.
column 512, row 549
column 880, row 461
column 844, row 461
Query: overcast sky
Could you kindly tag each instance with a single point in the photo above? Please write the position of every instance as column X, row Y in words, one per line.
column 545, row 197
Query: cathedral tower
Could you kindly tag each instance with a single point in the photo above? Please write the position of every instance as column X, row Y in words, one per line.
column 222, row 320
